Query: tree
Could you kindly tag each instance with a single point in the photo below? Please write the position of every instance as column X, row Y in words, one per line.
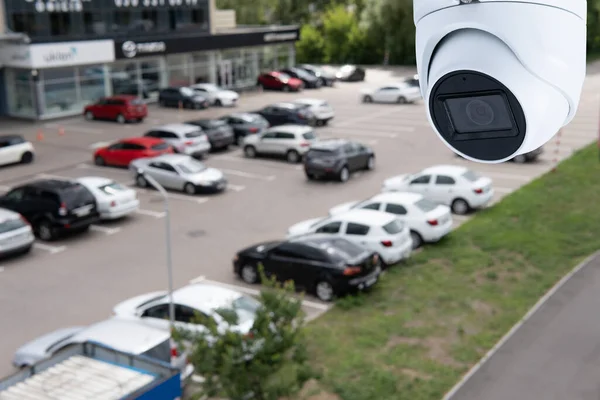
column 338, row 22
column 265, row 364
column 311, row 46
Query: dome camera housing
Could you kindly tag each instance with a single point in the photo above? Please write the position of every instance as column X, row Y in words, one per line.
column 500, row 78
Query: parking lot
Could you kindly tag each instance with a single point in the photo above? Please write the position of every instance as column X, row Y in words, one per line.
column 77, row 280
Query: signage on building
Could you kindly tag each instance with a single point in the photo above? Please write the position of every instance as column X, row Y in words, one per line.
column 58, row 5
column 50, row 55
column 280, row 37
column 132, row 49
column 154, row 3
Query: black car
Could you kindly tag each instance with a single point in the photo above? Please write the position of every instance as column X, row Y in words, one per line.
column 287, row 113
column 351, row 73
column 244, row 124
column 337, row 158
column 326, row 78
column 219, row 133
column 183, row 97
column 321, row 264
column 53, row 207
column 310, row 81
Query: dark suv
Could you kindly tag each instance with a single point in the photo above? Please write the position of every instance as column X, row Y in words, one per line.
column 337, row 158
column 53, row 207
column 182, row 97
column 287, row 113
column 219, row 133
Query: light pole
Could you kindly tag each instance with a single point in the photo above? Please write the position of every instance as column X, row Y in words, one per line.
column 165, row 196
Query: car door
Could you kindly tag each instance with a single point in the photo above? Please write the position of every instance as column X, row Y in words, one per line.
column 115, row 154
column 398, row 210
column 279, row 116
column 111, row 108
column 160, row 172
column 267, row 113
column 173, row 178
column 6, row 153
column 130, row 152
column 190, row 318
column 267, row 143
column 420, row 184
column 357, row 233
column 330, row 228
column 15, row 200
column 352, row 157
column 287, row 261
column 381, row 95
column 442, row 190
column 157, row 316
column 99, row 109
column 376, row 206
column 283, row 142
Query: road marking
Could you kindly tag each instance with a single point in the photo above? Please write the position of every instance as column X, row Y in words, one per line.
column 48, row 248
column 235, row 188
column 174, row 196
column 247, row 174
column 98, row 145
column 104, row 229
column 151, row 213
column 254, row 292
column 517, row 326
column 374, row 134
column 503, row 190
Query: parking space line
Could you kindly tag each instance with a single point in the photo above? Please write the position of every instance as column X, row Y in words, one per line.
column 235, row 188
column 150, row 213
column 174, row 196
column 247, row 174
column 104, row 229
column 48, row 248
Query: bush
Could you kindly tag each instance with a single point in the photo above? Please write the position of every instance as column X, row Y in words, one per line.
column 311, row 46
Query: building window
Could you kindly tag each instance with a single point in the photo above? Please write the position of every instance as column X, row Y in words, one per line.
column 60, row 24
column 20, row 93
column 60, row 91
column 24, row 23
column 122, row 20
column 179, row 20
column 149, row 21
column 94, row 23
column 199, row 18
column 91, row 83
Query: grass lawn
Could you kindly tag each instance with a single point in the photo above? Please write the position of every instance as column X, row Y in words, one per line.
column 428, row 321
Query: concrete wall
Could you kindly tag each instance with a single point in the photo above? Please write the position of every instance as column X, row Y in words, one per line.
column 220, row 20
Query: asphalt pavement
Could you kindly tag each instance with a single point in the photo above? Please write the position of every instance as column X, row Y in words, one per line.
column 78, row 280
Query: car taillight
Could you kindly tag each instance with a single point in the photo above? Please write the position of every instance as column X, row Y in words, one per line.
column 189, row 143
column 349, row 271
column 386, row 243
column 253, row 130
column 478, row 191
column 174, row 352
column 432, row 222
column 113, row 203
column 63, row 209
column 304, row 144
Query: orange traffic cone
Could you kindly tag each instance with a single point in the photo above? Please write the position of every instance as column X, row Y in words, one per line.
column 40, row 135
column 61, row 131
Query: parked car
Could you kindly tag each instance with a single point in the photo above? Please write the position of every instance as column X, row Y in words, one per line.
column 287, row 113
column 458, row 187
column 531, row 156
column 114, row 200
column 413, row 81
column 245, row 124
column 183, row 97
column 16, row 235
column 279, row 81
column 15, row 149
column 351, row 73
column 321, row 109
column 195, row 305
column 53, row 207
column 327, row 78
column 117, row 108
column 310, row 81
column 142, row 88
column 216, row 95
column 379, row 232
column 337, row 158
column 219, row 133
column 178, row 172
column 428, row 221
column 400, row 93
column 291, row 141
column 184, row 138
column 123, row 152
column 321, row 264
column 127, row 335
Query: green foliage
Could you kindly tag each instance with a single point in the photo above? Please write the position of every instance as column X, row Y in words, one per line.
column 338, row 23
column 311, row 46
column 269, row 362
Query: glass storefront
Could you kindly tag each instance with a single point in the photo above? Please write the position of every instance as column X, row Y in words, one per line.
column 20, row 93
column 179, row 70
column 203, row 70
column 141, row 78
column 60, row 91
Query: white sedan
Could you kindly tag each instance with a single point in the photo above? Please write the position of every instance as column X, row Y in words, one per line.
column 114, row 200
column 454, row 186
column 400, row 93
column 320, row 108
column 16, row 236
column 216, row 96
column 15, row 149
column 428, row 222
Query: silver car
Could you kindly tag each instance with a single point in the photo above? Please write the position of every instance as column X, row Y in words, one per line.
column 290, row 141
column 178, row 172
column 185, row 138
column 16, row 235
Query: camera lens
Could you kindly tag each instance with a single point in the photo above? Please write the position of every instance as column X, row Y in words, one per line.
column 480, row 112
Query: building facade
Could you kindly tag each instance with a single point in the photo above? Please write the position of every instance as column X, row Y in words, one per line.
column 77, row 51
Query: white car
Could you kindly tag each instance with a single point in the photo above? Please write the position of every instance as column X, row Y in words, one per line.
column 114, row 200
column 291, row 141
column 400, row 93
column 428, row 222
column 380, row 232
column 15, row 149
column 454, row 186
column 217, row 96
column 16, row 235
column 185, row 138
column 320, row 108
column 194, row 304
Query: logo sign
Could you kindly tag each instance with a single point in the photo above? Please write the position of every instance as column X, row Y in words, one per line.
column 131, row 49
column 280, row 37
column 153, row 3
column 58, row 5
column 60, row 56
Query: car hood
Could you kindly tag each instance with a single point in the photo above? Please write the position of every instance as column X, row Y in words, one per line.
column 395, row 182
column 36, row 349
column 342, row 208
column 367, row 91
column 302, row 228
column 227, row 94
column 130, row 306
column 209, row 174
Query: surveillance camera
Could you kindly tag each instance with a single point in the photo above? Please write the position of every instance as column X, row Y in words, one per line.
column 500, row 78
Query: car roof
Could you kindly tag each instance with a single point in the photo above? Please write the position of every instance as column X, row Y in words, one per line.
column 178, row 128
column 243, row 115
column 171, row 158
column 310, row 101
column 122, row 334
column 144, row 141
column 329, row 144
column 288, row 105
column 317, row 240
column 52, row 184
column 205, row 297
column 94, row 180
column 367, row 217
column 7, row 214
column 445, row 169
column 204, row 121
column 390, row 197
column 291, row 128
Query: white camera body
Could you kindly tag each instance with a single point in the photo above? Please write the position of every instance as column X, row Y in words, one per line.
column 500, row 78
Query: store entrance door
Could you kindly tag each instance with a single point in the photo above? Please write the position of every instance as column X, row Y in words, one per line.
column 226, row 75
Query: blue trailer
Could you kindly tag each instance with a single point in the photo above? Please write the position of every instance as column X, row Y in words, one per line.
column 90, row 371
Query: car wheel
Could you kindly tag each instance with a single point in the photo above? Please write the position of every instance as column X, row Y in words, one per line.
column 371, row 163
column 367, row 99
column 324, row 291
column 249, row 274
column 141, row 181
column 218, row 103
column 401, row 100
column 44, row 230
column 121, row 119
column 27, row 157
column 89, row 116
column 417, row 240
column 292, row 156
column 286, row 88
column 250, row 151
column 460, row 207
column 520, row 159
column 99, row 161
column 189, row 188
column 344, row 175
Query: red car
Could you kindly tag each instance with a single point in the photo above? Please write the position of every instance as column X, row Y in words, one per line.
column 122, row 109
column 279, row 81
column 121, row 153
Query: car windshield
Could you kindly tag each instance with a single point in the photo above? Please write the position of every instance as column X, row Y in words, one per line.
column 318, row 222
column 394, row 227
column 342, row 250
column 426, row 205
column 471, row 176
column 321, row 153
column 112, row 188
column 211, row 88
column 186, row 91
column 75, row 195
column 160, row 146
column 194, row 134
column 214, row 123
column 12, row 224
column 309, row 135
column 346, row 68
column 301, row 73
column 245, row 308
column 283, row 76
column 191, row 167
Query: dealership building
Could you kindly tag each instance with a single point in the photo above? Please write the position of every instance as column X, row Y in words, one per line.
column 58, row 55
